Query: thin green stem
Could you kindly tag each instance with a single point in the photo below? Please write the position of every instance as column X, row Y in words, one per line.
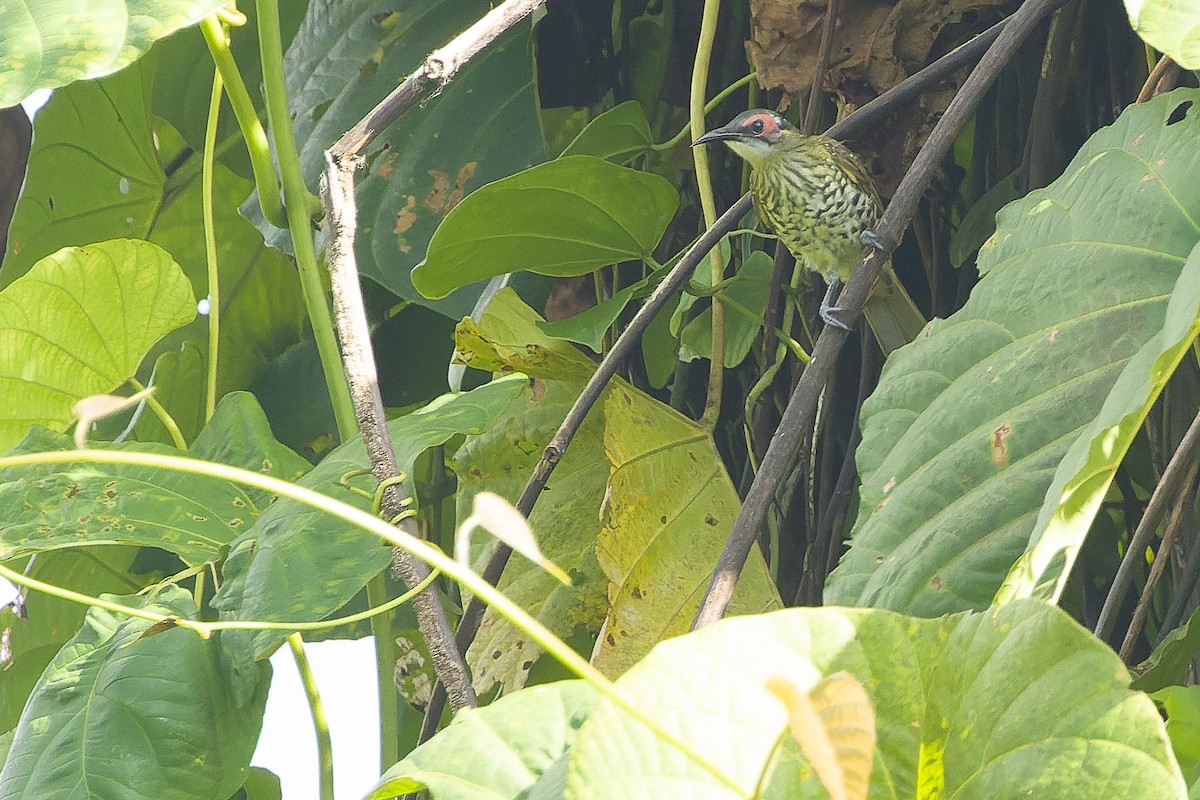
column 432, row 556
column 709, row 106
column 163, row 415
column 708, row 202
column 255, row 137
column 296, row 196
column 210, row 246
column 320, row 722
column 206, row 629
column 385, row 650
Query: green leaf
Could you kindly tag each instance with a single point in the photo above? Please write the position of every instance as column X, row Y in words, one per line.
column 178, row 378
column 1087, row 470
column 649, row 53
column 262, row 784
column 1011, row 703
column 78, row 324
column 659, row 347
column 501, row 750
column 588, row 326
column 1169, row 26
column 483, row 126
column 1171, row 660
column 239, row 435
column 170, row 715
column 87, row 181
column 969, row 424
column 102, row 180
column 58, row 506
column 1182, row 704
column 566, row 518
column 745, row 301
column 667, row 515
column 566, row 217
column 47, row 45
column 269, row 574
column 980, row 221
column 619, row 135
column 50, row 621
column 262, row 309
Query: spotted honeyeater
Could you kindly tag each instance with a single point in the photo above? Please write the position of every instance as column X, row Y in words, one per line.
column 823, row 205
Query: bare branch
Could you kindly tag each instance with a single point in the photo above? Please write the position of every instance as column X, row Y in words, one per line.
column 438, row 69
column 358, row 359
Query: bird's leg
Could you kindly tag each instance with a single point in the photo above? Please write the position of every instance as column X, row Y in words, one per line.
column 828, row 309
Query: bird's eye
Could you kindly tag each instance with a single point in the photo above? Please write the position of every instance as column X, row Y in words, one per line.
column 756, row 127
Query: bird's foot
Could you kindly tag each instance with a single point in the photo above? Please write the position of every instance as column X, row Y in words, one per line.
column 871, row 240
column 828, row 316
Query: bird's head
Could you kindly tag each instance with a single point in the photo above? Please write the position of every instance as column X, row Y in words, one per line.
column 751, row 134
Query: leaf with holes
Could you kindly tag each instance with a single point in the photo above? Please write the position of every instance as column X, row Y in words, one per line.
column 51, row 507
column 566, row 517
column 667, row 515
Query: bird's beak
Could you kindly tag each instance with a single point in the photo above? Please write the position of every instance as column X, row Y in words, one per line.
column 718, row 135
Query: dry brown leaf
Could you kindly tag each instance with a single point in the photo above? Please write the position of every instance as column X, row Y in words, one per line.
column 877, row 44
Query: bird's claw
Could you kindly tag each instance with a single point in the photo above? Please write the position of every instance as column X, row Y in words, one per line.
column 871, row 240
column 828, row 317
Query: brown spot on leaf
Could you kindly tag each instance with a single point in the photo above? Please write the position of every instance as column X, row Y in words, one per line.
column 443, row 197
column 936, row 581
column 387, row 168
column 465, row 174
column 999, row 448
column 636, row 593
column 710, row 520
column 891, row 484
column 406, row 217
column 537, row 390
column 435, row 201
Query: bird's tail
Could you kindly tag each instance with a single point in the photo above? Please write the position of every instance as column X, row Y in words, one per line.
column 890, row 311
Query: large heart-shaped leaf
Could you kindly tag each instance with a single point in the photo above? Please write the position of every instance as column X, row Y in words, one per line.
column 963, row 436
column 667, row 514
column 47, row 45
column 117, row 715
column 1010, row 703
column 78, row 324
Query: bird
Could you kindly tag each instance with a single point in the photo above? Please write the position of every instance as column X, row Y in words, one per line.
column 823, row 205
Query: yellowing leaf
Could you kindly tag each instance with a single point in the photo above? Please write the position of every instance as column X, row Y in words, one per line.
column 834, row 725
